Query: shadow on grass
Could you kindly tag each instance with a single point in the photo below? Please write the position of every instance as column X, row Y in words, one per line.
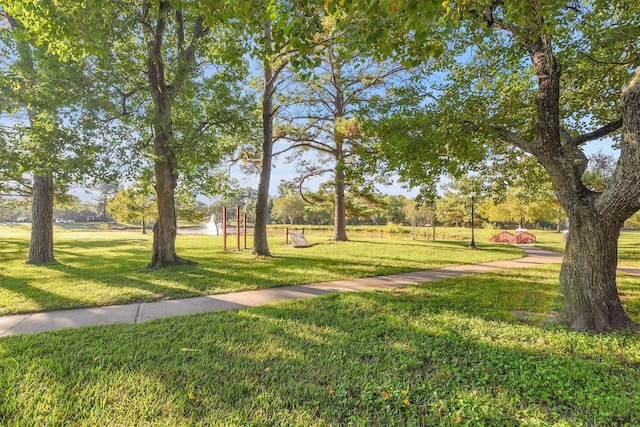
column 101, row 243
column 95, row 268
column 22, row 289
column 14, row 250
column 352, row 359
column 134, row 280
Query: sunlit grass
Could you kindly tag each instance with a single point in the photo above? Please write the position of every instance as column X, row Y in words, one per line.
column 108, row 267
column 628, row 246
column 452, row 352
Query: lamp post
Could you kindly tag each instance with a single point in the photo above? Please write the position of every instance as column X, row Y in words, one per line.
column 473, row 237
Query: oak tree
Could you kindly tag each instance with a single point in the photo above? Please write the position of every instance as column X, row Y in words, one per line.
column 545, row 78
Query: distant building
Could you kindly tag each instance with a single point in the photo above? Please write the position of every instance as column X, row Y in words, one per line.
column 86, row 216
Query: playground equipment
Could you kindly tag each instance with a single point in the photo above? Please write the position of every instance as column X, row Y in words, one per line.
column 297, row 239
column 241, row 225
column 519, row 238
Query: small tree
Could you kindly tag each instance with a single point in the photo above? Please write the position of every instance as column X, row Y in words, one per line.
column 419, row 214
column 133, row 205
column 288, row 208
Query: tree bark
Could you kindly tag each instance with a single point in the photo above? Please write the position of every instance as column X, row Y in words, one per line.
column 260, row 241
column 588, row 275
column 340, row 222
column 165, row 228
column 41, row 246
column 144, row 226
column 340, row 216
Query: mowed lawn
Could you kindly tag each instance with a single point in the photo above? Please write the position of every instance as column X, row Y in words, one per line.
column 628, row 246
column 477, row 351
column 97, row 268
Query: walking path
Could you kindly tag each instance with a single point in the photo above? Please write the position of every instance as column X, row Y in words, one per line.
column 140, row 312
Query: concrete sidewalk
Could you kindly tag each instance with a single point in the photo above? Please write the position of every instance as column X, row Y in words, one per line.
column 140, row 312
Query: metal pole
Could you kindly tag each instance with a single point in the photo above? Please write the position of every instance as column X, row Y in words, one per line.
column 224, row 226
column 473, row 237
column 238, row 226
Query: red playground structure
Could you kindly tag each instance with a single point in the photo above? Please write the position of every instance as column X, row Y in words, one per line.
column 520, row 238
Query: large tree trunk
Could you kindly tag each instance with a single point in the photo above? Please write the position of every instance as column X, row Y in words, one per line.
column 260, row 242
column 588, row 274
column 165, row 228
column 340, row 220
column 41, row 246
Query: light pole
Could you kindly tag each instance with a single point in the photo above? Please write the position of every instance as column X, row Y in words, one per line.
column 473, row 236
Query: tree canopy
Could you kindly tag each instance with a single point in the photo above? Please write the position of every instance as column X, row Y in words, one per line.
column 544, row 78
column 497, row 86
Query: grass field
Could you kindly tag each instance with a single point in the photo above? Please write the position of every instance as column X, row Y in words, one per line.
column 477, row 350
column 470, row 351
column 628, row 247
column 107, row 267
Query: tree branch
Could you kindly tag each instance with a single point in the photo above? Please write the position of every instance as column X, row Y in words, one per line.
column 487, row 16
column 503, row 134
column 275, row 74
column 316, row 172
column 180, row 31
column 513, row 138
column 198, row 32
column 305, row 145
column 596, row 61
column 155, row 66
column 598, row 133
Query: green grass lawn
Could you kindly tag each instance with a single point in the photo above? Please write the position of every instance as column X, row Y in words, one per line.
column 477, row 350
column 628, row 246
column 107, row 267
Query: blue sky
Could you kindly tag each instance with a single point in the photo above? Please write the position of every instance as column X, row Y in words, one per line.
column 284, row 171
